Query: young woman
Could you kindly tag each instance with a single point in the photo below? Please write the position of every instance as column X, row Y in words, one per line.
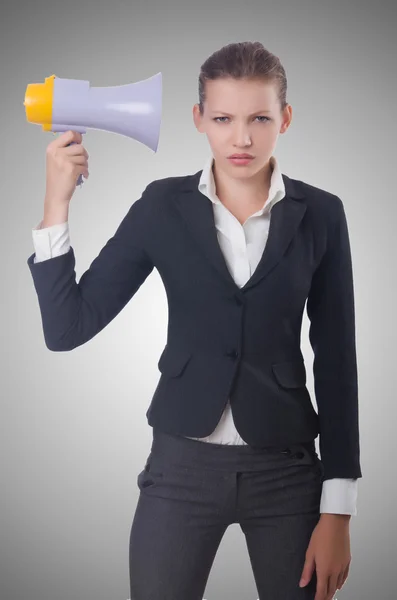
column 240, row 247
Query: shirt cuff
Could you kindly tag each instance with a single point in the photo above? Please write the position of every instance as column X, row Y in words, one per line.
column 339, row 496
column 50, row 241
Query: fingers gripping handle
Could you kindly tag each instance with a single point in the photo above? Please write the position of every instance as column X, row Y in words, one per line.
column 80, row 177
column 59, row 129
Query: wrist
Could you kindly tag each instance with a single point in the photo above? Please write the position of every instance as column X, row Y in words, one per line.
column 54, row 213
column 335, row 517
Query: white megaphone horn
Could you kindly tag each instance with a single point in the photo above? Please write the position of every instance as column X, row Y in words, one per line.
column 133, row 110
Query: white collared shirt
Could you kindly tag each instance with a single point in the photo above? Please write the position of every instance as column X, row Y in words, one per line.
column 242, row 247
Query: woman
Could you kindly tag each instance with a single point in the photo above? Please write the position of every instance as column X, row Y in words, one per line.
column 240, row 248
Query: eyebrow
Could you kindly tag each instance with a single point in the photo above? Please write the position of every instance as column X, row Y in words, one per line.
column 229, row 115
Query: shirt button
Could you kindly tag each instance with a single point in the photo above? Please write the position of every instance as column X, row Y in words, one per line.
column 232, row 353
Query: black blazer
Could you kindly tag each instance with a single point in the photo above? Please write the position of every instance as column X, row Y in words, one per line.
column 224, row 341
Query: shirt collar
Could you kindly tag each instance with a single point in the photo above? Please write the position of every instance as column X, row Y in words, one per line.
column 276, row 192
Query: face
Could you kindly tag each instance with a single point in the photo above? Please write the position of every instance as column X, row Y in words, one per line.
column 242, row 116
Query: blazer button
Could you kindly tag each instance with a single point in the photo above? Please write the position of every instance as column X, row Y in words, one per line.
column 299, row 455
column 232, row 353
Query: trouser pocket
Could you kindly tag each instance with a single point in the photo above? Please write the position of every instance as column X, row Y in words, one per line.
column 148, row 477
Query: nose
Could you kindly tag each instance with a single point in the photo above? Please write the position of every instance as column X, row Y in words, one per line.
column 242, row 136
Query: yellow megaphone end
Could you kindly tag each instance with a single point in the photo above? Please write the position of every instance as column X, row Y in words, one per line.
column 38, row 102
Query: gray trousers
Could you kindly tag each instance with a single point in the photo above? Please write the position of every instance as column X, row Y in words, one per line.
column 190, row 491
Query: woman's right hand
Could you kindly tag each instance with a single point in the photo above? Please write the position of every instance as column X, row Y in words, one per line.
column 64, row 164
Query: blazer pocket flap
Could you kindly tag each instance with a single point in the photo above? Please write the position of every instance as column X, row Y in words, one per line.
column 173, row 360
column 290, row 374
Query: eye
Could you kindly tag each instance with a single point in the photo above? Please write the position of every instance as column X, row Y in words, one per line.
column 257, row 117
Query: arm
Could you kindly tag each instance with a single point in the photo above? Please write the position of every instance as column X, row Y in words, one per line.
column 73, row 313
column 330, row 308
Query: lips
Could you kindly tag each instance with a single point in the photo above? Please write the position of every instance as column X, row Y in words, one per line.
column 241, row 156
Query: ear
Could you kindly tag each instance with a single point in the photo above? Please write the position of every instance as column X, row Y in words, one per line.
column 197, row 118
column 287, row 118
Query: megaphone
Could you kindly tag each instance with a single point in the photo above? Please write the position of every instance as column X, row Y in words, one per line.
column 133, row 110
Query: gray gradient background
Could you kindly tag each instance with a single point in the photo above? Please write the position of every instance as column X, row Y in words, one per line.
column 74, row 434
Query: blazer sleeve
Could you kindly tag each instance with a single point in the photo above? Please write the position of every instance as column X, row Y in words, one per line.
column 73, row 313
column 330, row 308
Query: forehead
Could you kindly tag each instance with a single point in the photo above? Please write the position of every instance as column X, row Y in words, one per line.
column 225, row 94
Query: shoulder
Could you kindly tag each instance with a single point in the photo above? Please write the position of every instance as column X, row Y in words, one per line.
column 315, row 195
column 167, row 185
column 154, row 200
column 155, row 192
column 321, row 203
column 163, row 191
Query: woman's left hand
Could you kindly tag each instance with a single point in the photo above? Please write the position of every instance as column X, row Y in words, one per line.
column 329, row 553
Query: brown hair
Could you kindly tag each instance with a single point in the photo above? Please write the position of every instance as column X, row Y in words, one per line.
column 243, row 60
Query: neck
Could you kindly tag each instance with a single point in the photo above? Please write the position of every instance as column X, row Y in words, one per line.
column 249, row 191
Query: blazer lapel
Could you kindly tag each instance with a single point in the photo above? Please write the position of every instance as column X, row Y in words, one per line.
column 197, row 212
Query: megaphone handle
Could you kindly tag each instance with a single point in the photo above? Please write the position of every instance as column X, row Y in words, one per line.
column 80, row 177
